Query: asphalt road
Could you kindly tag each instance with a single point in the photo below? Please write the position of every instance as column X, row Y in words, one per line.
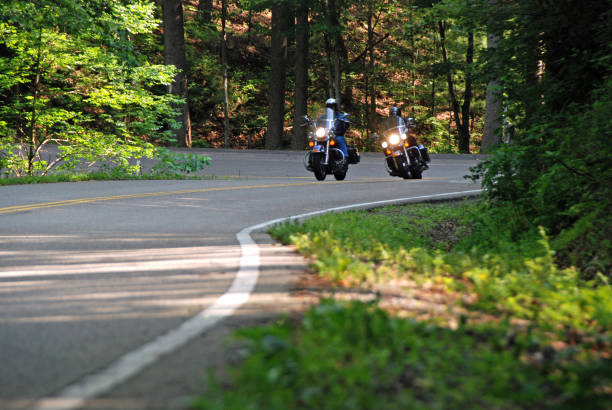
column 91, row 272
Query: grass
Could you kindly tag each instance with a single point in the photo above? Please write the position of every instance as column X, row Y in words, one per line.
column 170, row 165
column 505, row 327
column 99, row 176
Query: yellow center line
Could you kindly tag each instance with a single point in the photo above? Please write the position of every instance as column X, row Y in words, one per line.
column 68, row 202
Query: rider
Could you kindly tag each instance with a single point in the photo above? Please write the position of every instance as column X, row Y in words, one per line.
column 395, row 120
column 341, row 124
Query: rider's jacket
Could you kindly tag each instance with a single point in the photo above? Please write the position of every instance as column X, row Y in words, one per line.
column 341, row 123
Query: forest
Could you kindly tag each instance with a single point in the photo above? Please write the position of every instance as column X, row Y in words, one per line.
column 525, row 81
column 247, row 71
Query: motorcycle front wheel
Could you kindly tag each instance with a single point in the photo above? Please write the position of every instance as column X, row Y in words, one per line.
column 340, row 175
column 416, row 173
column 318, row 167
column 404, row 170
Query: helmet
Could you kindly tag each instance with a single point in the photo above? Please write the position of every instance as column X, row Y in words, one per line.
column 331, row 103
column 395, row 111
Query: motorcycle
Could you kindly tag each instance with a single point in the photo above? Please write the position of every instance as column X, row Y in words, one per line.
column 403, row 157
column 323, row 157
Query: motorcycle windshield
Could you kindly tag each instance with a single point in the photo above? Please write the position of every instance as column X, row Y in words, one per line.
column 394, row 135
column 325, row 119
column 323, row 123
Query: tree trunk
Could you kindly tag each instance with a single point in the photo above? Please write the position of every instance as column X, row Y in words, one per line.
column 414, row 53
column 433, row 76
column 335, row 50
column 32, row 140
column 491, row 134
column 347, row 95
column 371, row 90
column 205, row 9
column 226, row 124
column 330, row 71
column 449, row 75
column 462, row 119
column 174, row 54
column 278, row 64
column 301, row 75
column 464, row 132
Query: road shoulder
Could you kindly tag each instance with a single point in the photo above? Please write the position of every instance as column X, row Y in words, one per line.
column 177, row 378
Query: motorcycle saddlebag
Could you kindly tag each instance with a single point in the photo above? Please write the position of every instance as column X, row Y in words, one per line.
column 424, row 153
column 353, row 154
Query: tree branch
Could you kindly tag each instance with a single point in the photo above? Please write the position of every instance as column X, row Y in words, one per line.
column 365, row 51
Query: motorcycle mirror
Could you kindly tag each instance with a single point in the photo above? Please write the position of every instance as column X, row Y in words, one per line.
column 306, row 121
column 375, row 136
column 411, row 122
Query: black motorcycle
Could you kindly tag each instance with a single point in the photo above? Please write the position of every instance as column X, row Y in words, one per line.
column 403, row 157
column 323, row 157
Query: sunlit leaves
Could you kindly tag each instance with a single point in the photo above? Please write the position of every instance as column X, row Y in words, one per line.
column 357, row 247
column 136, row 18
column 71, row 74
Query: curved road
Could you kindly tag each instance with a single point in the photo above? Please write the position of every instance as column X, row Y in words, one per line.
column 97, row 278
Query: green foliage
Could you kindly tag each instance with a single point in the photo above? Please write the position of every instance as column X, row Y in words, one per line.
column 350, row 245
column 556, row 173
column 436, row 136
column 355, row 356
column 170, row 165
column 178, row 163
column 405, row 50
column 513, row 277
column 116, row 173
column 562, row 183
column 71, row 74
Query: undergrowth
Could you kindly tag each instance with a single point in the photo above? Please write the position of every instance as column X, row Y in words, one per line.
column 356, row 356
column 532, row 334
column 169, row 165
column 98, row 176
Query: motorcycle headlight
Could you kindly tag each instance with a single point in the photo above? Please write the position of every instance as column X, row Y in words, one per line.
column 320, row 132
column 385, row 144
column 394, row 139
column 403, row 136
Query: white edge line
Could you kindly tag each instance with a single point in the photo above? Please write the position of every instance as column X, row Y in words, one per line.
column 133, row 362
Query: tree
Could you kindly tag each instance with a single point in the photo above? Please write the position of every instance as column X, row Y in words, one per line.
column 493, row 108
column 335, row 50
column 369, row 72
column 462, row 118
column 87, row 89
column 277, row 81
column 374, row 11
column 301, row 74
column 174, row 54
column 493, row 105
column 557, row 85
column 205, row 9
column 226, row 124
